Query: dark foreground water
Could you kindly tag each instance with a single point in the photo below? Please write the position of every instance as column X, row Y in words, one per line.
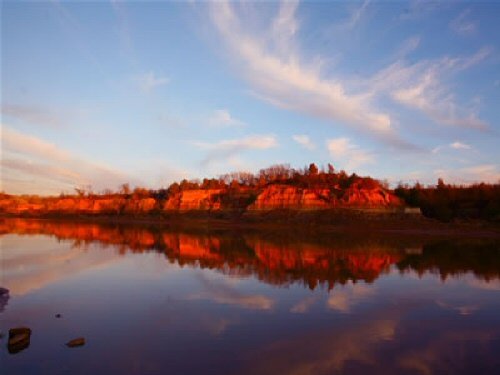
column 151, row 301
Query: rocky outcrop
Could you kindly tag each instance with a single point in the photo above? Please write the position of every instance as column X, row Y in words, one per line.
column 238, row 200
column 194, row 200
column 375, row 197
column 288, row 197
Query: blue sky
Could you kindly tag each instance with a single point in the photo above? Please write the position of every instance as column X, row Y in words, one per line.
column 101, row 93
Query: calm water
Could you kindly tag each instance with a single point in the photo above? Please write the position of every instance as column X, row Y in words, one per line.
column 151, row 301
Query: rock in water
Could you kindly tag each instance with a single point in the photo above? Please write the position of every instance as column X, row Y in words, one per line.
column 80, row 341
column 4, row 298
column 19, row 339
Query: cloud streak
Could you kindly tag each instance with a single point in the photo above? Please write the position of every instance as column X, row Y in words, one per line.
column 147, row 82
column 347, row 154
column 228, row 148
column 27, row 159
column 222, row 118
column 304, row 141
column 277, row 74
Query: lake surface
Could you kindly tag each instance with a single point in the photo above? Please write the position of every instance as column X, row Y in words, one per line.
column 157, row 301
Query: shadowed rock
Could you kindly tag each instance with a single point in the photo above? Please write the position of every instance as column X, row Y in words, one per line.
column 4, row 298
column 19, row 339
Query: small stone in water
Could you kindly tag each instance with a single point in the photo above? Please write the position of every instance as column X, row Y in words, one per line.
column 80, row 341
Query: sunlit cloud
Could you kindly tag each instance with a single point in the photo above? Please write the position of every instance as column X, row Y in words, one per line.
column 231, row 147
column 347, row 154
column 222, row 118
column 419, row 86
column 460, row 146
column 304, row 141
column 27, row 159
column 276, row 73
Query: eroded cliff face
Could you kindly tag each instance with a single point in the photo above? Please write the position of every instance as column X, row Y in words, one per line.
column 272, row 197
column 287, row 197
column 194, row 200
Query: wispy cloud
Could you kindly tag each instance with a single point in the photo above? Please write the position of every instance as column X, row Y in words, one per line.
column 228, row 148
column 222, row 118
column 36, row 115
column 357, row 14
column 224, row 293
column 460, row 146
column 419, row 86
column 304, row 141
column 278, row 75
column 347, row 154
column 409, row 45
column 147, row 82
column 457, row 145
column 27, row 159
column 462, row 24
column 489, row 173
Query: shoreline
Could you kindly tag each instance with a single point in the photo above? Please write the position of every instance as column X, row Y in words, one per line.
column 305, row 222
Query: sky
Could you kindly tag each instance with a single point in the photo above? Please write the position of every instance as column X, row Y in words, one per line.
column 97, row 94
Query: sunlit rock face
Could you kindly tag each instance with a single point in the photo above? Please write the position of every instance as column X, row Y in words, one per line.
column 272, row 197
column 375, row 197
column 194, row 200
column 287, row 197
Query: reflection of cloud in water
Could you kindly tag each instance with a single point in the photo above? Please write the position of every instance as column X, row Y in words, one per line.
column 325, row 351
column 25, row 270
column 225, row 293
column 449, row 353
column 461, row 309
column 342, row 299
column 483, row 284
column 304, row 305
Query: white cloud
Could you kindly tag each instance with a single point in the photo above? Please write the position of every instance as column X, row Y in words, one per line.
column 348, row 155
column 462, row 24
column 147, row 82
column 222, row 118
column 459, row 146
column 304, row 141
column 229, row 148
column 419, row 86
column 30, row 165
column 277, row 74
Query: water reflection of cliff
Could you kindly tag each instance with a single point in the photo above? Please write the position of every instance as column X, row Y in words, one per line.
column 281, row 258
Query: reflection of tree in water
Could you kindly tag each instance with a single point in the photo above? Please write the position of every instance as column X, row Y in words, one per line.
column 450, row 258
column 281, row 258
